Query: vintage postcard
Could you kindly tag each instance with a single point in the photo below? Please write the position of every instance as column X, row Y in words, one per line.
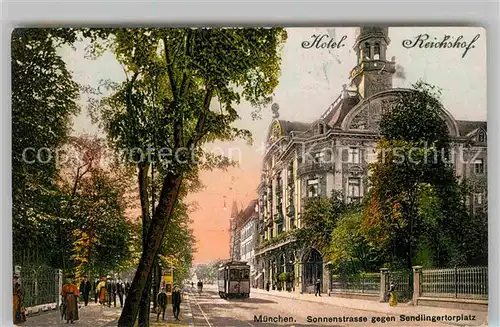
column 250, row 176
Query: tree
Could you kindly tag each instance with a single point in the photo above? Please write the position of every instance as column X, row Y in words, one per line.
column 187, row 68
column 319, row 219
column 349, row 251
column 413, row 156
column 43, row 102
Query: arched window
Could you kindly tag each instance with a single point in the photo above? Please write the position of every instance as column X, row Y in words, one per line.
column 366, row 51
column 376, row 51
column 321, row 129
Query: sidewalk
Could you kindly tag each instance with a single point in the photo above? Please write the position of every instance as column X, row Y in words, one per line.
column 481, row 317
column 95, row 315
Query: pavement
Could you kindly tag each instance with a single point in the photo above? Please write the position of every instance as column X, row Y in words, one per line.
column 273, row 308
column 95, row 315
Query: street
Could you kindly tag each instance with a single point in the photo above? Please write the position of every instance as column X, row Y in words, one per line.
column 280, row 309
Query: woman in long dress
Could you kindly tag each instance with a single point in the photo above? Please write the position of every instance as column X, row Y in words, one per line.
column 393, row 296
column 101, row 289
column 18, row 312
column 70, row 294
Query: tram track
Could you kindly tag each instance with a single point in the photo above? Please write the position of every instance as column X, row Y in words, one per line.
column 215, row 304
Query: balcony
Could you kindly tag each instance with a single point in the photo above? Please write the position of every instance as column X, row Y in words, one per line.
column 373, row 65
column 276, row 242
column 316, row 167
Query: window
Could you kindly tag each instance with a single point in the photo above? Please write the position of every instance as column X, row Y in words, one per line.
column 479, row 166
column 478, row 198
column 481, row 137
column 353, row 188
column 312, row 188
column 366, row 51
column 376, row 52
column 321, row 129
column 353, row 155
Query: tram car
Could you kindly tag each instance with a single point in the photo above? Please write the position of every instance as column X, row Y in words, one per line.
column 234, row 280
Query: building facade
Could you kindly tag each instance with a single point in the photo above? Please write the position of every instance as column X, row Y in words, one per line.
column 248, row 235
column 234, row 235
column 305, row 160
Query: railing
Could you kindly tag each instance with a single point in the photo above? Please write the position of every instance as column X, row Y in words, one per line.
column 315, row 167
column 40, row 285
column 356, row 284
column 460, row 282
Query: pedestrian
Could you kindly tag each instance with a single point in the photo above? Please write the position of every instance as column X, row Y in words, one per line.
column 19, row 314
column 162, row 304
column 111, row 291
column 120, row 290
column 268, row 285
column 127, row 288
column 176, row 302
column 101, row 289
column 96, row 290
column 393, row 297
column 318, row 288
column 85, row 288
column 70, row 294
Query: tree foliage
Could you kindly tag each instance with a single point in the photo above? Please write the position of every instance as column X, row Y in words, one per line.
column 349, row 250
column 173, row 76
column 43, row 103
column 416, row 211
column 319, row 219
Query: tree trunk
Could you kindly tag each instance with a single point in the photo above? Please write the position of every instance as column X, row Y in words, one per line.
column 168, row 198
column 157, row 281
column 145, row 304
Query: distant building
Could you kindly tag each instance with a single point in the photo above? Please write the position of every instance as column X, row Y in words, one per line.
column 306, row 160
column 247, row 228
column 234, row 236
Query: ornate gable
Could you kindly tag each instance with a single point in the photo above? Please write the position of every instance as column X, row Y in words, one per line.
column 366, row 115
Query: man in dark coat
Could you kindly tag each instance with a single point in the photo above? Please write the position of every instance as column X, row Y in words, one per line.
column 85, row 288
column 176, row 302
column 318, row 288
column 120, row 290
column 96, row 291
column 111, row 290
column 162, row 304
column 127, row 287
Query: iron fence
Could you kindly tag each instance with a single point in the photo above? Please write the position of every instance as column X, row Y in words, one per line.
column 40, row 285
column 459, row 282
column 369, row 283
column 403, row 284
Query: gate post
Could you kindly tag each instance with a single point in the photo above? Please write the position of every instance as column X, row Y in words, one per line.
column 383, row 280
column 417, row 274
column 59, row 282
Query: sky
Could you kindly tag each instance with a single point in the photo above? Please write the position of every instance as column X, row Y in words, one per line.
column 311, row 79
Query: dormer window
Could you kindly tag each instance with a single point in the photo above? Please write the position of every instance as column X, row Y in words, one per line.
column 376, row 52
column 321, row 129
column 481, row 137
